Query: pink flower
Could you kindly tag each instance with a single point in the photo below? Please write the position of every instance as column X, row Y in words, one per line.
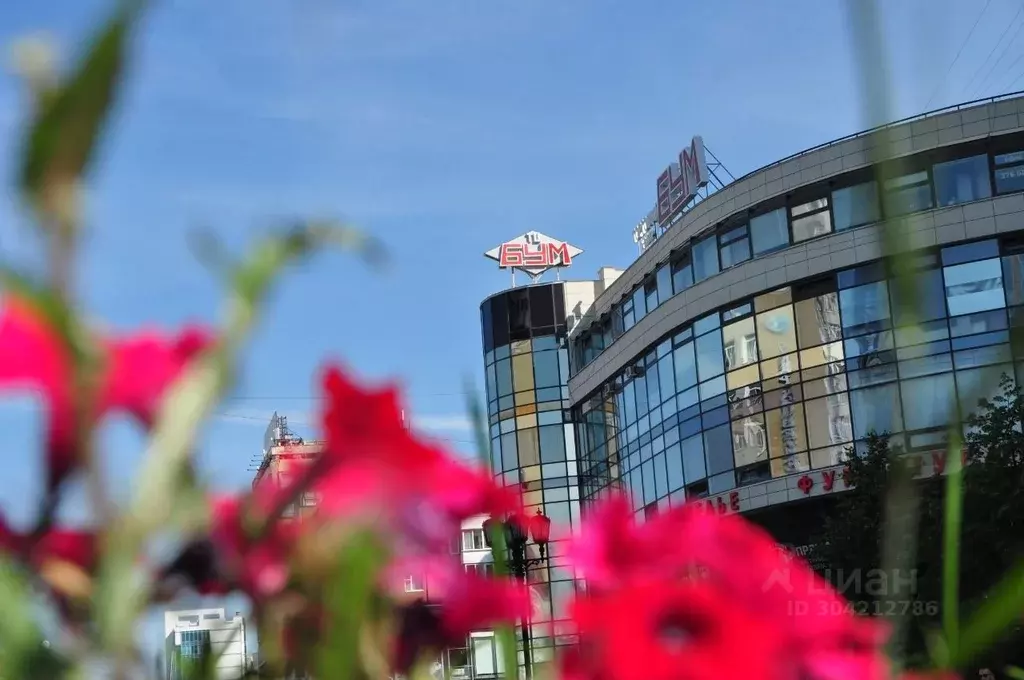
column 138, row 370
column 374, row 467
column 742, row 562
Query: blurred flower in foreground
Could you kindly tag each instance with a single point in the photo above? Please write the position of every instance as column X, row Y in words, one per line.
column 694, row 584
column 135, row 373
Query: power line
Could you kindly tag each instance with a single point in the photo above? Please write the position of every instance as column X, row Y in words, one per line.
column 1011, row 67
column 993, row 50
column 942, row 81
column 1002, row 55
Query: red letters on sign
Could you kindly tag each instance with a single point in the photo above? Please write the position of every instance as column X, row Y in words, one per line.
column 828, row 479
column 534, row 255
column 734, row 501
column 805, row 484
column 939, row 462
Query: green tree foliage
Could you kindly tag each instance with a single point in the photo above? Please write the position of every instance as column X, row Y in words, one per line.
column 992, row 540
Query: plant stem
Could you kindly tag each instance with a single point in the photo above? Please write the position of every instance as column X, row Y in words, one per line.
column 951, row 546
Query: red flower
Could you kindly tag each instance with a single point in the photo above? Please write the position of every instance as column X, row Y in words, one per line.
column 674, row 631
column 142, row 367
column 231, row 558
column 374, row 467
column 744, row 564
column 76, row 547
column 138, row 371
column 460, row 603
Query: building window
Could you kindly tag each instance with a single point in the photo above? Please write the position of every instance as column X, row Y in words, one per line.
column 705, row 259
column 734, row 247
column 473, row 539
column 651, row 295
column 855, row 206
column 682, row 273
column 1009, row 172
column 487, row 659
column 485, row 569
column 908, row 194
column 974, row 287
column 962, row 180
column 811, row 219
column 769, row 232
column 664, row 282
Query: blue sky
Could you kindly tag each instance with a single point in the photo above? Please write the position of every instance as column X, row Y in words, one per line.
column 444, row 128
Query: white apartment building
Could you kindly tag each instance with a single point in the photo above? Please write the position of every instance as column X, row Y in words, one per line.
column 191, row 633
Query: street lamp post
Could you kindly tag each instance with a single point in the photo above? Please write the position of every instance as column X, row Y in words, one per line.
column 517, row 531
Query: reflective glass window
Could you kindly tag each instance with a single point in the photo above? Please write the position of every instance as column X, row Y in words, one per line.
column 545, row 368
column 529, row 447
column 974, row 287
column 503, row 375
column 664, row 283
column 721, row 483
column 907, row 194
column 639, row 305
column 786, row 430
column 693, row 458
column 509, row 456
column 522, row 372
column 740, row 344
column 979, row 383
column 682, row 273
column 864, row 308
column 776, row 332
column 705, row 259
column 552, row 444
column 1009, row 172
column 749, row 442
column 734, row 247
column 769, row 232
column 969, row 252
column 811, row 219
column 718, row 447
column 962, row 180
column 674, row 465
column 651, row 294
column 926, row 401
column 828, row 421
column 709, row 355
column 929, row 302
column 790, row 465
column 855, row 206
column 685, row 366
column 1013, row 279
column 817, row 320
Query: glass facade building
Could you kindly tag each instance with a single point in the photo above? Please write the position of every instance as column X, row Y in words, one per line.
column 532, row 438
column 807, row 347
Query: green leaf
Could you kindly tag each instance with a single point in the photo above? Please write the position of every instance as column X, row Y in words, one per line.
column 68, row 125
column 22, row 650
column 349, row 598
column 1014, row 672
column 121, row 591
column 1000, row 609
column 479, row 420
column 953, row 519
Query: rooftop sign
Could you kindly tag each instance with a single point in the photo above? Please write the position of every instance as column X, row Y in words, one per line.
column 679, row 183
column 533, row 253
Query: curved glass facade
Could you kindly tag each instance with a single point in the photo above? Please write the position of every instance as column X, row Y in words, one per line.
column 957, row 174
column 785, row 382
column 532, row 437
